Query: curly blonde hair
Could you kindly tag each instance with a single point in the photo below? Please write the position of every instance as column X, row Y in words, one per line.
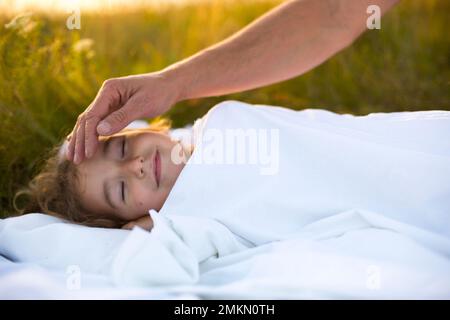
column 53, row 190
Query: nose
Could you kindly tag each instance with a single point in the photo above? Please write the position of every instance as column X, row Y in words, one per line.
column 135, row 166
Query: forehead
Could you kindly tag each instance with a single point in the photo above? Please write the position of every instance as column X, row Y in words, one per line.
column 90, row 185
column 91, row 176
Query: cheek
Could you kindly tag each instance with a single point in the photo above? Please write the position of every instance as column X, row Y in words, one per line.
column 144, row 197
column 148, row 141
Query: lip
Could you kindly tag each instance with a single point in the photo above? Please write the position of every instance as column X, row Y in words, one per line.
column 157, row 167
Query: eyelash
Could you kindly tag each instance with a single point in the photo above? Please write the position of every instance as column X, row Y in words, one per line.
column 123, row 147
column 123, row 191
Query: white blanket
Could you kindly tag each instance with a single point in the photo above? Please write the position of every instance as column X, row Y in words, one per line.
column 355, row 207
column 365, row 263
column 397, row 166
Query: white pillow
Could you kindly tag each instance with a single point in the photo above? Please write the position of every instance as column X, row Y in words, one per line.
column 128, row 257
column 168, row 255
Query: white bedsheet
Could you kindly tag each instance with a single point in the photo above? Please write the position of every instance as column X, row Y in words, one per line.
column 360, row 208
column 367, row 263
column 396, row 166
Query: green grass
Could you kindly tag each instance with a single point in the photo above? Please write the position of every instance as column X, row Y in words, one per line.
column 45, row 83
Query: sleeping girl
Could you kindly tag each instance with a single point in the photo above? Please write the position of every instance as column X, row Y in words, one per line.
column 265, row 173
column 129, row 174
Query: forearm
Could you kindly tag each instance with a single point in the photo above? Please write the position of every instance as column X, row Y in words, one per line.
column 285, row 42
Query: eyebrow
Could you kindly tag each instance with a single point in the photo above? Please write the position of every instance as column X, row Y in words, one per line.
column 107, row 195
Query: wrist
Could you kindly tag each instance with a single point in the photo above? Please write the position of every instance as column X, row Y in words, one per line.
column 179, row 79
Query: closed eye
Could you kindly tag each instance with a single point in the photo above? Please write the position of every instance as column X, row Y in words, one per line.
column 123, row 147
column 123, row 191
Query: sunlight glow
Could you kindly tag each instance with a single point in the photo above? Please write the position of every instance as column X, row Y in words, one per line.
column 68, row 5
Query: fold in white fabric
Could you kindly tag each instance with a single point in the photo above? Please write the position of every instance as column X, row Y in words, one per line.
column 395, row 166
column 366, row 263
column 169, row 255
column 55, row 244
column 334, row 206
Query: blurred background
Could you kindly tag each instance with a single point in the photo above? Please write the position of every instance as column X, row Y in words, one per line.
column 49, row 74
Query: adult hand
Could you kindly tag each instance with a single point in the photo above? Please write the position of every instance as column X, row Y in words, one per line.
column 119, row 102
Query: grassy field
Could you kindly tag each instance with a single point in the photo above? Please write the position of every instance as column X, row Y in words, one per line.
column 49, row 74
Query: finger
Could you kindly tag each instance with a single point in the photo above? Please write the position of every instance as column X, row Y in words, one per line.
column 119, row 119
column 69, row 150
column 71, row 146
column 107, row 99
column 79, row 144
column 100, row 107
column 91, row 136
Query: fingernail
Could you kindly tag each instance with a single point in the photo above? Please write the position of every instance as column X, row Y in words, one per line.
column 88, row 153
column 103, row 128
column 75, row 158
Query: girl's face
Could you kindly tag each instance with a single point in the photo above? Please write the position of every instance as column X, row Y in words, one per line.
column 120, row 179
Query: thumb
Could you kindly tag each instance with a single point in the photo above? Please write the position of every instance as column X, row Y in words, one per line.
column 117, row 120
